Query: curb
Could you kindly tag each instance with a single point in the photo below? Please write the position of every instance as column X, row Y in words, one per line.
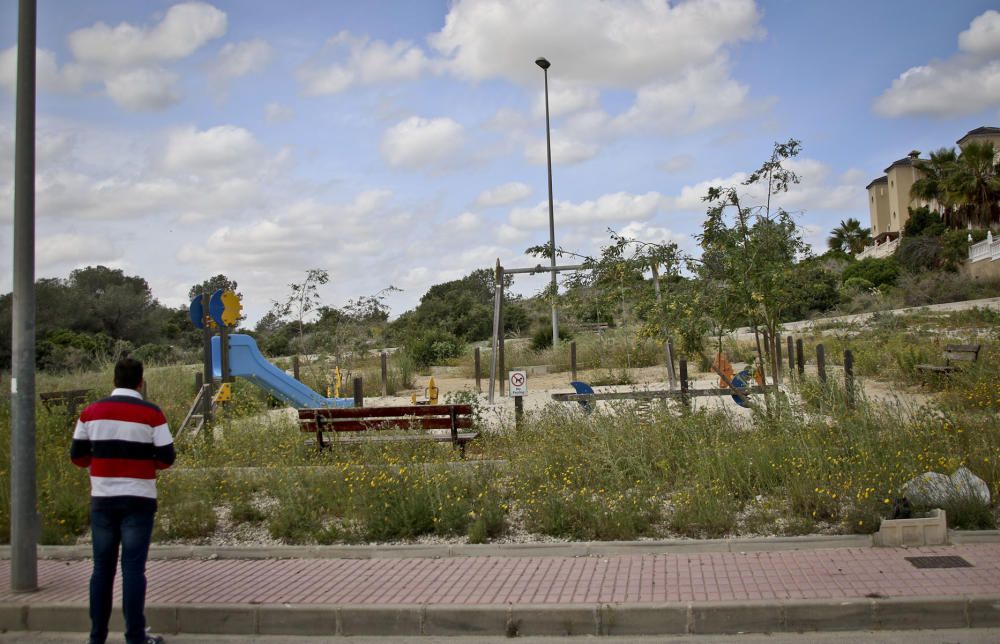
column 533, row 619
column 571, row 549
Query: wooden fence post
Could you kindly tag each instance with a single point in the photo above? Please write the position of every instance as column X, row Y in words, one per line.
column 385, row 374
column 821, row 363
column 777, row 359
column 479, row 387
column 791, row 358
column 295, row 367
column 799, row 357
column 684, row 382
column 849, row 376
column 359, row 392
column 199, row 378
column 572, row 360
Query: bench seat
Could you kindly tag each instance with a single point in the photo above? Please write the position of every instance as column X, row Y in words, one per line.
column 408, row 423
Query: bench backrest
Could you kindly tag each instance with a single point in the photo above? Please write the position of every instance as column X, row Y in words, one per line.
column 961, row 352
column 357, row 419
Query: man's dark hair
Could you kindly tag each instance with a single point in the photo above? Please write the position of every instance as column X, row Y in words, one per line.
column 128, row 373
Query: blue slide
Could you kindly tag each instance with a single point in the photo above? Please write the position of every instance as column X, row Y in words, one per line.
column 246, row 361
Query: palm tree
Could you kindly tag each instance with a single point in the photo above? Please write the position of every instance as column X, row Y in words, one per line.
column 933, row 185
column 849, row 237
column 976, row 183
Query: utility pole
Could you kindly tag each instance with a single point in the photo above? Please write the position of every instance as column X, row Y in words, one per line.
column 23, row 486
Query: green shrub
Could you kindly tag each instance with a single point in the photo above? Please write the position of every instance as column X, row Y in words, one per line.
column 876, row 270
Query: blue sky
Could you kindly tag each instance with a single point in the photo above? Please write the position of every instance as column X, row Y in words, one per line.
column 403, row 142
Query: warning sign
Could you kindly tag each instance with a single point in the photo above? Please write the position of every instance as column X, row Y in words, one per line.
column 518, row 383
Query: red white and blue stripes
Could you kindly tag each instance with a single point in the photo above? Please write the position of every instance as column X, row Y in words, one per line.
column 124, row 440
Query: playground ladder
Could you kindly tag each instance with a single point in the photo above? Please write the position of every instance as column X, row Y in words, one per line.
column 195, row 420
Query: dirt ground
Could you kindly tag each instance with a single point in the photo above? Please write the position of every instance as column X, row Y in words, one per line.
column 542, row 386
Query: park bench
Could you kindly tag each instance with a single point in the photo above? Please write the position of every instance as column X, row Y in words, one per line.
column 70, row 399
column 952, row 353
column 413, row 423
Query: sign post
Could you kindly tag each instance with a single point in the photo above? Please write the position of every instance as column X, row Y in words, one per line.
column 518, row 381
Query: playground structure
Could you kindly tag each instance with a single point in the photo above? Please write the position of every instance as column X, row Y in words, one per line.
column 228, row 356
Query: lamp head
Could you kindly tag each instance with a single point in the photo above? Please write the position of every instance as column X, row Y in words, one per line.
column 543, row 63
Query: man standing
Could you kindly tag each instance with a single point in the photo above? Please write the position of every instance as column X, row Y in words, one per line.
column 124, row 440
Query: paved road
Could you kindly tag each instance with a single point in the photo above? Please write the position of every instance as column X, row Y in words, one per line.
column 946, row 636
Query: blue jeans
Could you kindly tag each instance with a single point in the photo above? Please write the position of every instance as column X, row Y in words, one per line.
column 131, row 529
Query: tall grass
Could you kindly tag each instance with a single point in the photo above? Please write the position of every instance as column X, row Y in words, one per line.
column 816, row 459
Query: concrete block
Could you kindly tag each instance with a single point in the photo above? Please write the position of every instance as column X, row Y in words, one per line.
column 550, row 620
column 467, row 620
column 923, row 531
column 13, row 617
column 400, row 621
column 233, row 619
column 59, row 617
column 296, row 620
column 920, row 612
column 808, row 542
column 984, row 612
column 828, row 615
column 644, row 619
column 736, row 617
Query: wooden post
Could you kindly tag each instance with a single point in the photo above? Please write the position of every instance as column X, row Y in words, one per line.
column 385, row 374
column 777, row 359
column 518, row 411
column 295, row 366
column 799, row 358
column 684, row 382
column 821, row 362
column 572, row 360
column 479, row 386
column 206, row 337
column 791, row 359
column 359, row 392
column 198, row 380
column 671, row 376
column 503, row 371
column 849, row 376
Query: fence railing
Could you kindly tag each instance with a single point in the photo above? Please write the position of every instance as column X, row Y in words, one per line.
column 989, row 248
column 880, row 250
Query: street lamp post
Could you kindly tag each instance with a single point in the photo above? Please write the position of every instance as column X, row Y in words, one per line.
column 545, row 64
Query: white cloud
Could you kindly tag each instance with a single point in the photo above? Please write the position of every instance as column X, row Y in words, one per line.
column 983, row 35
column 698, row 99
column 615, row 207
column 184, row 28
column 219, row 148
column 614, row 43
column 565, row 151
column 362, row 61
column 966, row 83
column 242, row 58
column 278, row 113
column 48, row 75
column 504, row 195
column 465, row 222
column 567, row 99
column 419, row 143
column 73, row 249
column 145, row 88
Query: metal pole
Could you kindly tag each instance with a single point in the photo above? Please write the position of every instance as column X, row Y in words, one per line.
column 207, row 368
column 552, row 221
column 23, row 490
column 495, row 346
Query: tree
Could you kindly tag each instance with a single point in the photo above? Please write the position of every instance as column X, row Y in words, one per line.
column 213, row 284
column 966, row 186
column 849, row 237
column 302, row 300
column 750, row 251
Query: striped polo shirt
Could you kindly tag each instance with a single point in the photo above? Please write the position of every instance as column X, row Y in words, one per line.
column 124, row 440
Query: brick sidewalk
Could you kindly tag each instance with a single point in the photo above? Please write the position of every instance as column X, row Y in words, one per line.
column 826, row 574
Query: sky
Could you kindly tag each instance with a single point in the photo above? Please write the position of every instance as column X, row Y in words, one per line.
column 402, row 142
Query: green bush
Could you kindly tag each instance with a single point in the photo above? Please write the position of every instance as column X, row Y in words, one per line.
column 433, row 347
column 877, row 270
